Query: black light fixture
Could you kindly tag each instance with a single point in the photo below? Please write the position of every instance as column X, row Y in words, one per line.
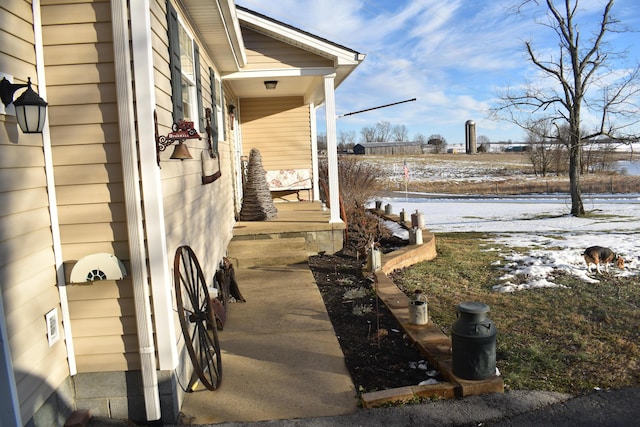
column 270, row 84
column 31, row 110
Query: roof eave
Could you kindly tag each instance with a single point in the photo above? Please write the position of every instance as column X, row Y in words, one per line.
column 218, row 27
column 340, row 54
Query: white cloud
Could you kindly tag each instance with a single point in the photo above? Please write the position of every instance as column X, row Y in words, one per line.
column 453, row 56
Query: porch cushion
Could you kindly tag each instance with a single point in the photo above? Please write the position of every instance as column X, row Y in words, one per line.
column 289, row 179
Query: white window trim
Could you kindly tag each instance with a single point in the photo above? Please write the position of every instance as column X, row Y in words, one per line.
column 194, row 115
column 219, row 110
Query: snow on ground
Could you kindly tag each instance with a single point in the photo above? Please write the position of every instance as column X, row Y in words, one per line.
column 446, row 169
column 543, row 236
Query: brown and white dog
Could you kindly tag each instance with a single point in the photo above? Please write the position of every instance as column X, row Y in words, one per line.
column 598, row 255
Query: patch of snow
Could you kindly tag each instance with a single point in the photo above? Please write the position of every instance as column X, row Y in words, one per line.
column 543, row 238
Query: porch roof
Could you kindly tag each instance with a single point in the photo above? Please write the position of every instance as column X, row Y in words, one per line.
column 306, row 82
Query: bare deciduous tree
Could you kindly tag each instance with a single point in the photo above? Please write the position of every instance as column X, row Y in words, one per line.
column 581, row 65
column 483, row 143
column 322, row 141
column 381, row 132
column 545, row 150
column 399, row 133
column 438, row 143
column 418, row 137
column 346, row 139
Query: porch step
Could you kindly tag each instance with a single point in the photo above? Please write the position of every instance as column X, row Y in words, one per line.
column 269, row 251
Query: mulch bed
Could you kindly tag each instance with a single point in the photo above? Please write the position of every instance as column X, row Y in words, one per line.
column 377, row 353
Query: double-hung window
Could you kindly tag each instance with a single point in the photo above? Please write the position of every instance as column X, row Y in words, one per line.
column 188, row 77
column 184, row 61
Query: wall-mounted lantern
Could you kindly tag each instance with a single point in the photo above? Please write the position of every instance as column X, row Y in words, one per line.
column 31, row 110
column 270, row 84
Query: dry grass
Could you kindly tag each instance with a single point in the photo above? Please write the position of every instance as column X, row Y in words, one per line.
column 570, row 340
column 601, row 183
column 499, row 173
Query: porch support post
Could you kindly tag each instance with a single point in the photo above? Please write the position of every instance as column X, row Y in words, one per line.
column 332, row 147
column 314, row 152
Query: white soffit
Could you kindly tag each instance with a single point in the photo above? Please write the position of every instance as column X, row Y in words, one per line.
column 217, row 25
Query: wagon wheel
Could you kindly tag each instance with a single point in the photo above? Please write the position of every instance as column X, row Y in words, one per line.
column 196, row 318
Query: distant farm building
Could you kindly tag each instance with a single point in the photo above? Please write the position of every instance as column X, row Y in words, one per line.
column 391, row 148
column 518, row 148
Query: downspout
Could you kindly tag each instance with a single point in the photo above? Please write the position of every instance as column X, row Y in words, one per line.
column 332, row 148
column 51, row 194
column 314, row 152
column 133, row 205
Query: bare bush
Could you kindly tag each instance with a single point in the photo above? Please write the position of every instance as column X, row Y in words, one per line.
column 358, row 185
column 357, row 180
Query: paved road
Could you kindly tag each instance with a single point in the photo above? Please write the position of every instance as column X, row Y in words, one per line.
column 615, row 408
column 515, row 408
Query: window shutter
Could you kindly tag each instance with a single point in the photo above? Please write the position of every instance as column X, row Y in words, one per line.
column 196, row 64
column 174, row 62
column 214, row 110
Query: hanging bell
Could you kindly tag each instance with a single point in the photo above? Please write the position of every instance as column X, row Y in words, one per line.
column 181, row 152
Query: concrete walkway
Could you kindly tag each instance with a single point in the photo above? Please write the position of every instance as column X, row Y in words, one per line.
column 280, row 356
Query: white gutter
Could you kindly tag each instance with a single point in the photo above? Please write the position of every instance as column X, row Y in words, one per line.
column 134, row 207
column 145, row 101
column 51, row 192
column 229, row 16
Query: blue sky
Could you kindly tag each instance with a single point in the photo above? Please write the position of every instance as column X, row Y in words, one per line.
column 454, row 56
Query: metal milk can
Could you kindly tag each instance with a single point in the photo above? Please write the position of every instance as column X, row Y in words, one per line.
column 417, row 220
column 374, row 260
column 415, row 236
column 418, row 311
column 473, row 342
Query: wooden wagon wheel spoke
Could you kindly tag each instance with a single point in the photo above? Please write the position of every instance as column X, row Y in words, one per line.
column 196, row 318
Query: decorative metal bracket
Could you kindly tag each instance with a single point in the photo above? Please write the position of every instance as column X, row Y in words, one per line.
column 210, row 166
column 207, row 117
column 181, row 131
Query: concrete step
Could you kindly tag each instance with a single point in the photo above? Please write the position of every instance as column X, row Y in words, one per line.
column 260, row 252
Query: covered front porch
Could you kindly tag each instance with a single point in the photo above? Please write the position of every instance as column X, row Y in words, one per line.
column 300, row 230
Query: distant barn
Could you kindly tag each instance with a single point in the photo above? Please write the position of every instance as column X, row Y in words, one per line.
column 388, row 148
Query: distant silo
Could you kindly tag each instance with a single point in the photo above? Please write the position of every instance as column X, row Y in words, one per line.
column 470, row 136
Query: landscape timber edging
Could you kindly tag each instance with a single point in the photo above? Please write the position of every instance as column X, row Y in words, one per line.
column 434, row 345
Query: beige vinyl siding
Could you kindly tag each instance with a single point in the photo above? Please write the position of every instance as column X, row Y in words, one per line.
column 39, row 391
column 267, row 53
column 94, row 307
column 27, row 264
column 280, row 129
column 201, row 216
column 83, row 118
